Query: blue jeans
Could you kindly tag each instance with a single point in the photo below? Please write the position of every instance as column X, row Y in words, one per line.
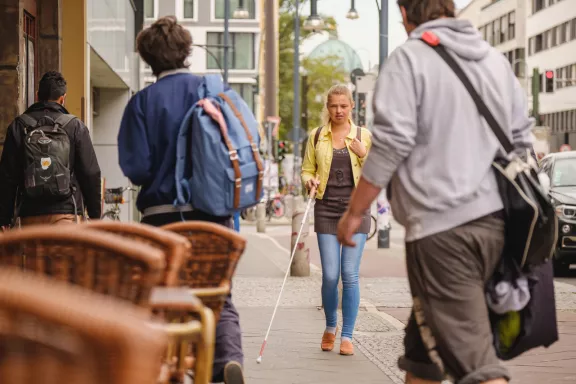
column 336, row 258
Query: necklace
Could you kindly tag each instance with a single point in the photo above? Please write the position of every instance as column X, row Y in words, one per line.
column 341, row 139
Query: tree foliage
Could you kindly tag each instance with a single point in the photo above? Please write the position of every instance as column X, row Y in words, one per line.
column 321, row 73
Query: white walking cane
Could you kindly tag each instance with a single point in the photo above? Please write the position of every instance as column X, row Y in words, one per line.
column 310, row 199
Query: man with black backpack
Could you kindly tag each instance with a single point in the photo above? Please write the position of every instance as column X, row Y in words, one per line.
column 48, row 172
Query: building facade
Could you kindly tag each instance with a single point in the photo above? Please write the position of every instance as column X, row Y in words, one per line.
column 551, row 46
column 205, row 20
column 536, row 34
column 92, row 43
column 502, row 23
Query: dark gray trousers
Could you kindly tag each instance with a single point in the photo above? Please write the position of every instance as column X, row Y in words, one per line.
column 228, row 333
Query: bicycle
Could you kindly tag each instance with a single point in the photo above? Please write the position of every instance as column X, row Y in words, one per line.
column 114, row 196
column 373, row 227
column 275, row 207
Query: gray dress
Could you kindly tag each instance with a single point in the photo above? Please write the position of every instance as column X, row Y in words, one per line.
column 329, row 210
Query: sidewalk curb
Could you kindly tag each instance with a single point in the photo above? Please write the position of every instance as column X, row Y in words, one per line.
column 566, row 286
column 313, row 268
column 371, row 308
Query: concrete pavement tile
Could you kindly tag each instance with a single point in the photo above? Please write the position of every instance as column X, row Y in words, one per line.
column 293, row 353
column 371, row 322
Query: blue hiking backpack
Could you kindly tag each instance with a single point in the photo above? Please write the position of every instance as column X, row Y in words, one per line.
column 218, row 165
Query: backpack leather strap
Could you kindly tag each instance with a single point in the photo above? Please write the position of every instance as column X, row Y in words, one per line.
column 233, row 153
column 252, row 144
column 359, row 133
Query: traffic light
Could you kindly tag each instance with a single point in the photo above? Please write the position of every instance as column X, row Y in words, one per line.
column 281, row 152
column 549, row 81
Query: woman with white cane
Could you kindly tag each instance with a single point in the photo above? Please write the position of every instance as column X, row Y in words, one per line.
column 332, row 164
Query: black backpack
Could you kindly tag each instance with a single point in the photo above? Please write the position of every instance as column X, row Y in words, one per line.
column 47, row 171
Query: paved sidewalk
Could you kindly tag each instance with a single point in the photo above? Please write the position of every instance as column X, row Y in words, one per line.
column 293, row 352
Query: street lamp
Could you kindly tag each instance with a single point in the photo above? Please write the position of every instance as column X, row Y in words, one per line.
column 383, row 11
column 241, row 12
column 314, row 22
column 352, row 13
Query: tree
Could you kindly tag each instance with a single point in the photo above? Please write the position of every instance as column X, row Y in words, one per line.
column 322, row 73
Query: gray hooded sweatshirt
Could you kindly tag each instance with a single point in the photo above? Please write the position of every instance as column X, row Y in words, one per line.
column 429, row 137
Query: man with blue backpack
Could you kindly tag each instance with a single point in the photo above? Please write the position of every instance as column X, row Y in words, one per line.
column 191, row 143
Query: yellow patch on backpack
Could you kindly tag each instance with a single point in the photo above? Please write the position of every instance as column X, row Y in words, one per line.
column 46, row 162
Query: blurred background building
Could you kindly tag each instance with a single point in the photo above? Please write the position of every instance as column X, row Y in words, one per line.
column 536, row 34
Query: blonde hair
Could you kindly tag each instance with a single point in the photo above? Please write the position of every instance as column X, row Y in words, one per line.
column 338, row 89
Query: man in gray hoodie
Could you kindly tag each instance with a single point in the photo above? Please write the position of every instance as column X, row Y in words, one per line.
column 431, row 143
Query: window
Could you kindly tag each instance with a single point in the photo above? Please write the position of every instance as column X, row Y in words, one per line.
column 573, row 30
column 149, row 11
column 497, row 32
column 489, row 34
column 503, row 29
column 571, row 74
column 559, row 80
column 246, row 91
column 29, row 59
column 241, row 54
column 188, row 9
column 519, row 62
column 537, row 5
column 511, row 25
column 538, row 43
column 250, row 6
column 563, row 33
column 554, row 37
column 546, row 40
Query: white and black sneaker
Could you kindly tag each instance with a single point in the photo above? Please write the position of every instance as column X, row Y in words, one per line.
column 233, row 373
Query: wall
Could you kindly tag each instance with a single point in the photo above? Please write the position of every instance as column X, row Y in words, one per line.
column 10, row 105
column 111, row 103
column 111, row 34
column 75, row 56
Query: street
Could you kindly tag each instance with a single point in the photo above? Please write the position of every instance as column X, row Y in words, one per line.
column 293, row 355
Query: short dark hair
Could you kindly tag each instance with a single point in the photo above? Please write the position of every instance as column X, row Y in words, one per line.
column 52, row 86
column 165, row 45
column 421, row 11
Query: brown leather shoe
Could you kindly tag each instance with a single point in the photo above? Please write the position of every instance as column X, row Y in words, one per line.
column 346, row 348
column 328, row 341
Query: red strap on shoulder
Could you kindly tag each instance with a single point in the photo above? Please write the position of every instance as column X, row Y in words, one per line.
column 431, row 39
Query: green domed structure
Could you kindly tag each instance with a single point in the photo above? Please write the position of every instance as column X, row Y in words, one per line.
column 334, row 47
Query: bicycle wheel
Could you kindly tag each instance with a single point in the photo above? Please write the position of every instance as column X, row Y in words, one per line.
column 373, row 227
column 278, row 208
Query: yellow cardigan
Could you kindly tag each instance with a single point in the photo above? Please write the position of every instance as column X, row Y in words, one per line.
column 317, row 161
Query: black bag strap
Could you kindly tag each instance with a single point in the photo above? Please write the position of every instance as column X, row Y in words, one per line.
column 317, row 136
column 64, row 119
column 434, row 42
column 28, row 121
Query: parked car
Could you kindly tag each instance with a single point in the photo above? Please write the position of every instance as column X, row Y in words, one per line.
column 561, row 169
